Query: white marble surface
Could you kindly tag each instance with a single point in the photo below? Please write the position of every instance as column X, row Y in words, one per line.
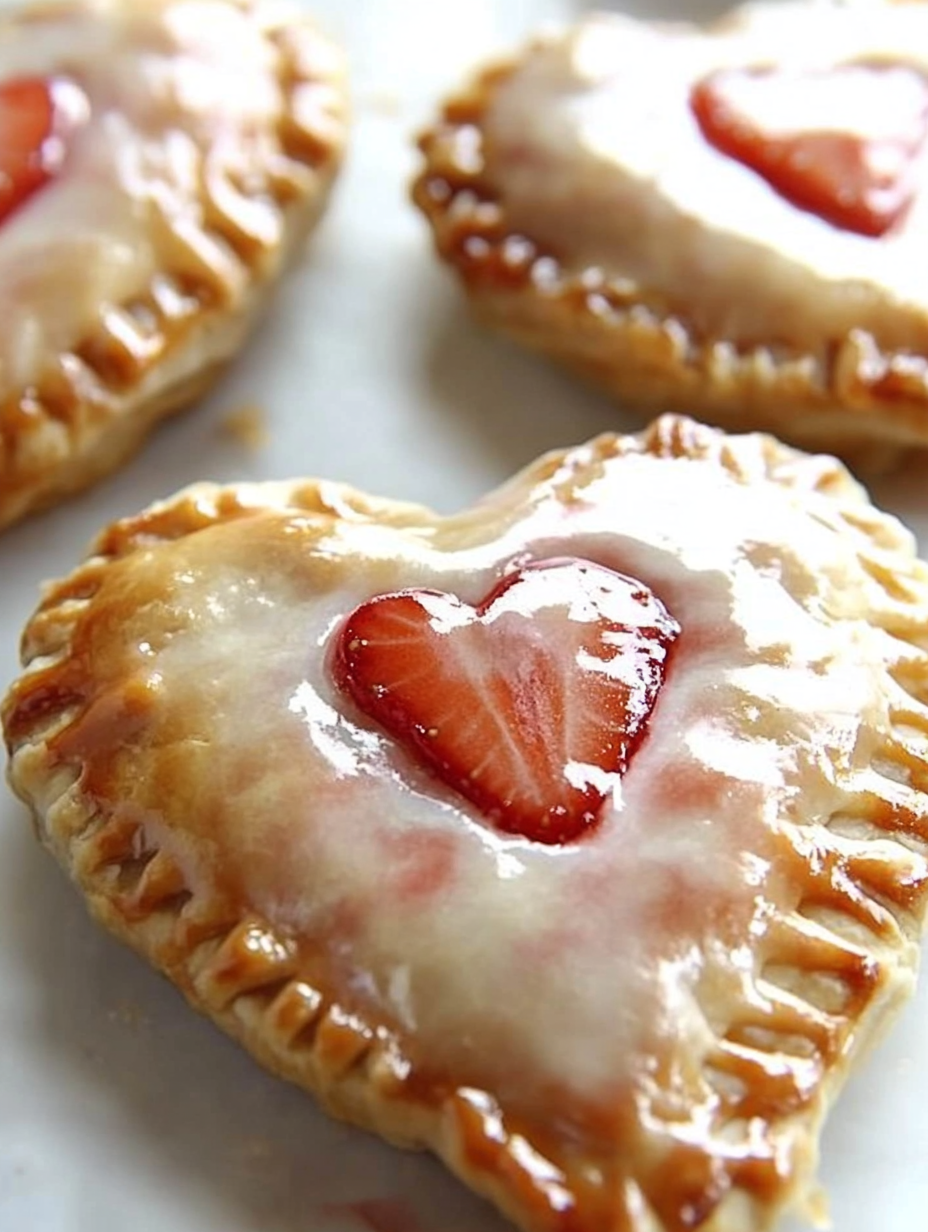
column 120, row 1109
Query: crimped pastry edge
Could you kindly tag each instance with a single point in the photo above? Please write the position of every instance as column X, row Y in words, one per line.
column 243, row 975
column 849, row 396
column 146, row 359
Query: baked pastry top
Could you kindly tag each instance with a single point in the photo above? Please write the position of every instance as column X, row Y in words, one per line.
column 581, row 837
column 727, row 219
column 161, row 158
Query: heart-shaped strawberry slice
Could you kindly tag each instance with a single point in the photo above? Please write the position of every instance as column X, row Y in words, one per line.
column 842, row 144
column 36, row 116
column 530, row 704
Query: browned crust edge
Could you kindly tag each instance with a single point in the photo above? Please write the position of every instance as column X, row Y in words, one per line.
column 832, row 970
column 849, row 396
column 153, row 356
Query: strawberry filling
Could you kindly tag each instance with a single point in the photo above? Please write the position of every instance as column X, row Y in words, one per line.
column 844, row 144
column 530, row 704
column 37, row 115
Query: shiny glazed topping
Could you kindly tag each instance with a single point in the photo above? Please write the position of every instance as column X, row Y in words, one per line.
column 530, row 703
column 592, row 148
column 840, row 143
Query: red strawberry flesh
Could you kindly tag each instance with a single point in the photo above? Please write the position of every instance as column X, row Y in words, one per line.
column 529, row 704
column 843, row 144
column 37, row 115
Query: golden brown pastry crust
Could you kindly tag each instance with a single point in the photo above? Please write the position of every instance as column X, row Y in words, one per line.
column 144, row 360
column 834, row 967
column 848, row 395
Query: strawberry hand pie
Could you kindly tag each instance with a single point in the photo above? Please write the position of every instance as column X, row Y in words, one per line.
column 729, row 221
column 160, row 160
column 581, row 837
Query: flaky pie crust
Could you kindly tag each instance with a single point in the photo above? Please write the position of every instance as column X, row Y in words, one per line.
column 145, row 359
column 833, row 969
column 846, row 395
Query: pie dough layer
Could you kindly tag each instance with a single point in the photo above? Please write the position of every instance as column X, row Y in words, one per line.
column 209, row 133
column 590, row 218
column 638, row 1031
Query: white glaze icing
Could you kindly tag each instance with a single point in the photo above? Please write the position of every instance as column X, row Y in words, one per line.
column 167, row 81
column 530, row 967
column 595, row 152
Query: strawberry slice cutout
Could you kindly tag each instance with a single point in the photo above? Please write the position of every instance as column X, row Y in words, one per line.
column 843, row 144
column 530, row 704
column 36, row 114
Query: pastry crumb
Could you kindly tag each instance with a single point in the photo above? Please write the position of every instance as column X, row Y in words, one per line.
column 247, row 426
column 128, row 1014
column 815, row 1208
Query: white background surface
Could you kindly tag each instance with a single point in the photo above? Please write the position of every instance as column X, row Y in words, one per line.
column 120, row 1110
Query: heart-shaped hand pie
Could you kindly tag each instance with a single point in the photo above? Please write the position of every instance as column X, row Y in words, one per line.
column 725, row 220
column 147, row 210
column 529, row 704
column 248, row 725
